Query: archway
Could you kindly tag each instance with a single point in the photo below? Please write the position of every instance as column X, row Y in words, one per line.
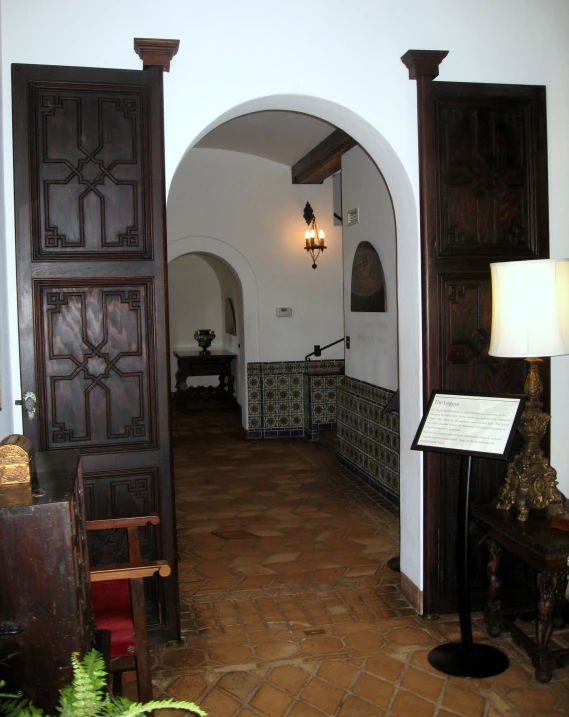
column 409, row 291
column 247, row 283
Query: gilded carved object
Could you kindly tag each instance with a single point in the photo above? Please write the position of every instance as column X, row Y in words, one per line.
column 531, row 482
column 16, row 460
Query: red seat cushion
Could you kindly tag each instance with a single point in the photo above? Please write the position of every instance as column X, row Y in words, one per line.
column 113, row 612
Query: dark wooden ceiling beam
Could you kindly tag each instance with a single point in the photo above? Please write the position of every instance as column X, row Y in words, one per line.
column 324, row 160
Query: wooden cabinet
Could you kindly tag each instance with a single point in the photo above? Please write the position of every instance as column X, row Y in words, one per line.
column 45, row 605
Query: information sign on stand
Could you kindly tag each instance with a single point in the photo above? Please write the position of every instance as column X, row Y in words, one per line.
column 480, row 425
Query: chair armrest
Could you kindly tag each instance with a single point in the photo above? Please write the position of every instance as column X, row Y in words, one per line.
column 127, row 571
column 114, row 523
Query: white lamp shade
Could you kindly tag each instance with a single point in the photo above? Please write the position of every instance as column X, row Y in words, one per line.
column 530, row 308
column 562, row 285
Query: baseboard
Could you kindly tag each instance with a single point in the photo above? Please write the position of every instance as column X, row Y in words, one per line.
column 412, row 593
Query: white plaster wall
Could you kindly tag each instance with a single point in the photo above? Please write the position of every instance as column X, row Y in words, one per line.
column 240, row 57
column 195, row 303
column 230, row 289
column 373, row 355
column 198, row 285
column 251, row 204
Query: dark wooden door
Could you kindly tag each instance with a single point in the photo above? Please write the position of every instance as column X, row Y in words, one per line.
column 490, row 205
column 90, row 238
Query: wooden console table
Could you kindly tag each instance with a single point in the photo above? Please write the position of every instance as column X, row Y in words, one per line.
column 544, row 549
column 194, row 363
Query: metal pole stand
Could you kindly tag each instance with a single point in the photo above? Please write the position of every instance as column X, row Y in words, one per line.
column 465, row 658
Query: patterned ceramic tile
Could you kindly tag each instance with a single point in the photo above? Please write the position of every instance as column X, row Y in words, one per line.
column 368, row 438
column 283, row 389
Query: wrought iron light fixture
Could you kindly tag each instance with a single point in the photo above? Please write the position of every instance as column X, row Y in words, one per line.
column 314, row 239
column 530, row 319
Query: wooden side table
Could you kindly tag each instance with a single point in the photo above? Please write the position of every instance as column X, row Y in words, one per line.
column 194, row 363
column 45, row 600
column 544, row 549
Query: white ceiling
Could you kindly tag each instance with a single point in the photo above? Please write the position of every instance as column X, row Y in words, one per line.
column 283, row 137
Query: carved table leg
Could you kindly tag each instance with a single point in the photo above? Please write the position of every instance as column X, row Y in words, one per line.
column 558, row 616
column 543, row 660
column 231, row 387
column 493, row 612
column 181, row 386
column 221, row 390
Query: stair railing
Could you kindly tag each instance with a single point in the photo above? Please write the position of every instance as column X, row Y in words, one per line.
column 318, row 349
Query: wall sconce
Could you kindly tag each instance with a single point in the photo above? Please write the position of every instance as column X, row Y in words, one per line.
column 530, row 319
column 314, row 239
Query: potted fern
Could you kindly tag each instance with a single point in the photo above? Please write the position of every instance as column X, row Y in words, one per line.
column 87, row 696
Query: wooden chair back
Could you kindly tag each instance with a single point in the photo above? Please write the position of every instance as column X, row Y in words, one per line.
column 135, row 571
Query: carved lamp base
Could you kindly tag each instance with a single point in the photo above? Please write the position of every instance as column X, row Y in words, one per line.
column 531, row 482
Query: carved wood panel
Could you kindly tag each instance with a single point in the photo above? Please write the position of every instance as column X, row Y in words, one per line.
column 489, row 194
column 485, row 157
column 90, row 171
column 120, row 494
column 124, row 494
column 465, row 310
column 91, row 261
column 97, row 376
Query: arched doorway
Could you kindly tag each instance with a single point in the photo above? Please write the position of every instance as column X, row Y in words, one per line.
column 408, row 281
column 246, row 342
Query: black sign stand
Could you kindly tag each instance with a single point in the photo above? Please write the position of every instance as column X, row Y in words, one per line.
column 466, row 658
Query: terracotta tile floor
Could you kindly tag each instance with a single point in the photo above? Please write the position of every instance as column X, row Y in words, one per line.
column 288, row 608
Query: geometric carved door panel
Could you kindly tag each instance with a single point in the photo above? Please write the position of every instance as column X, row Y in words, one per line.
column 90, row 241
column 94, row 161
column 483, row 158
column 97, row 381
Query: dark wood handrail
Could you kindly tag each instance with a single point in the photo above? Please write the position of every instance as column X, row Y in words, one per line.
column 318, row 349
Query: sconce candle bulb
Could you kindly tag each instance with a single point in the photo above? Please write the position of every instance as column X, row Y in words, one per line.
column 314, row 238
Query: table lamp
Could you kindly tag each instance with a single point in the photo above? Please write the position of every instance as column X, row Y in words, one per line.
column 530, row 320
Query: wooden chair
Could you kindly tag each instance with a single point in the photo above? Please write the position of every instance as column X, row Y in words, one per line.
column 118, row 598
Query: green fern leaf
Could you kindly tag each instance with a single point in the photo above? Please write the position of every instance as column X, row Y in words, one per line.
column 15, row 705
column 132, row 709
column 85, row 696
